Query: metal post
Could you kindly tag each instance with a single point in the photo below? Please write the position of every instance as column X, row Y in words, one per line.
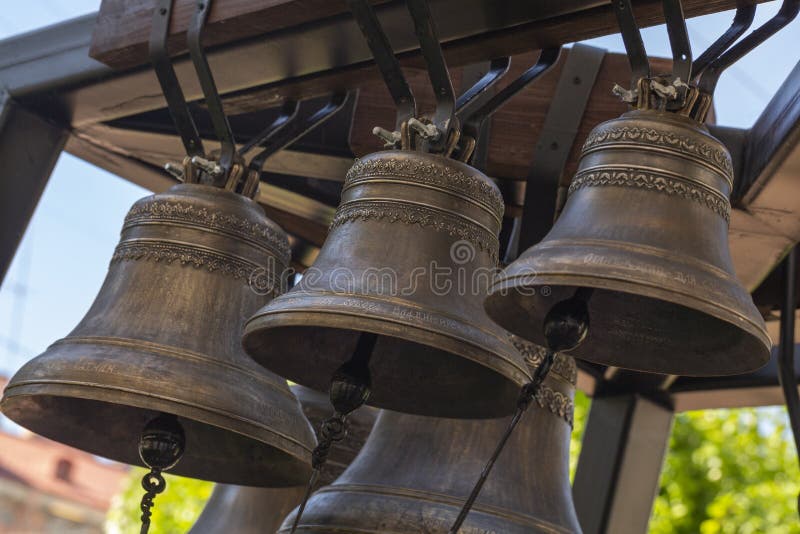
column 29, row 149
column 620, row 463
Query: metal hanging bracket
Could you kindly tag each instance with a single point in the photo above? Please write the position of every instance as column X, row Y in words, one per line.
column 661, row 92
column 476, row 110
column 221, row 170
column 707, row 82
column 745, row 13
column 284, row 131
column 438, row 133
column 226, row 168
column 170, row 86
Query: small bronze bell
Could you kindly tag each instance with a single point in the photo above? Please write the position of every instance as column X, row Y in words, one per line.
column 413, row 473
column 411, row 252
column 646, row 225
column 243, row 510
column 163, row 336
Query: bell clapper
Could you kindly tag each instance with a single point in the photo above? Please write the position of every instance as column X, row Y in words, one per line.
column 565, row 328
column 350, row 389
column 161, row 446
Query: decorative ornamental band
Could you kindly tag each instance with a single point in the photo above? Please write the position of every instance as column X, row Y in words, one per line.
column 261, row 280
column 431, row 173
column 556, row 403
column 653, row 182
column 564, row 365
column 152, row 210
column 410, row 214
column 602, row 135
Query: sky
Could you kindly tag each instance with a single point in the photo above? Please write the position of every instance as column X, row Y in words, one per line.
column 63, row 257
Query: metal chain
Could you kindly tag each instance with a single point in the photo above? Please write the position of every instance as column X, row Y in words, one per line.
column 333, row 429
column 153, row 484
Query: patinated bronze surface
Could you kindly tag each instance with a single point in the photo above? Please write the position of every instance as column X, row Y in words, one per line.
column 414, row 472
column 646, row 224
column 163, row 335
column 244, row 510
column 410, row 255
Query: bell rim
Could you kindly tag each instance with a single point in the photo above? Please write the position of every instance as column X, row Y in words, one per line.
column 756, row 331
column 370, row 319
column 442, row 501
column 377, row 324
column 22, row 391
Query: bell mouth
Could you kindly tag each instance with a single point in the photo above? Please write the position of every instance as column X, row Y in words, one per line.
column 637, row 326
column 413, row 370
column 66, row 414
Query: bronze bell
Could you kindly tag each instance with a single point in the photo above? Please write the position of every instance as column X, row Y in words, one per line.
column 244, row 510
column 646, row 226
column 410, row 255
column 163, row 336
column 414, row 472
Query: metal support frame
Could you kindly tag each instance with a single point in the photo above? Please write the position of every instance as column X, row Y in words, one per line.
column 555, row 143
column 618, row 473
column 29, row 149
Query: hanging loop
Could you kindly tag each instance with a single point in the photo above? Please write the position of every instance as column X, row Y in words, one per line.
column 168, row 80
column 710, row 77
column 745, row 13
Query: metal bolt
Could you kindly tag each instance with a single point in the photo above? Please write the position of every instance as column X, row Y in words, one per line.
column 429, row 132
column 390, row 138
column 175, row 170
column 210, row 167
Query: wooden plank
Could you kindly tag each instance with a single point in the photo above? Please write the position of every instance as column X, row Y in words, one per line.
column 122, row 30
column 123, row 26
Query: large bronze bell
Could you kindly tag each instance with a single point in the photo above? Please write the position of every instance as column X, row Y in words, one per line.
column 414, row 472
column 163, row 336
column 244, row 510
column 646, row 225
column 410, row 255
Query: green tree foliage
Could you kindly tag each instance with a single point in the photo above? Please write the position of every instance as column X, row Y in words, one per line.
column 727, row 471
column 174, row 511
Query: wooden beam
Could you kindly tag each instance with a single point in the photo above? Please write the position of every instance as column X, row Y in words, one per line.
column 122, row 31
column 330, row 54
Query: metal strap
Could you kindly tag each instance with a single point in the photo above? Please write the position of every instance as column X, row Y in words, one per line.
column 678, row 40
column 632, row 38
column 741, row 21
column 170, row 86
column 472, row 122
column 385, row 60
column 439, row 76
column 294, row 129
column 213, row 101
column 288, row 114
column 787, row 13
column 555, row 142
column 470, row 100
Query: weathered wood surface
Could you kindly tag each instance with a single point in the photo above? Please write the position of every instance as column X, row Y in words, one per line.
column 123, row 26
column 122, row 31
